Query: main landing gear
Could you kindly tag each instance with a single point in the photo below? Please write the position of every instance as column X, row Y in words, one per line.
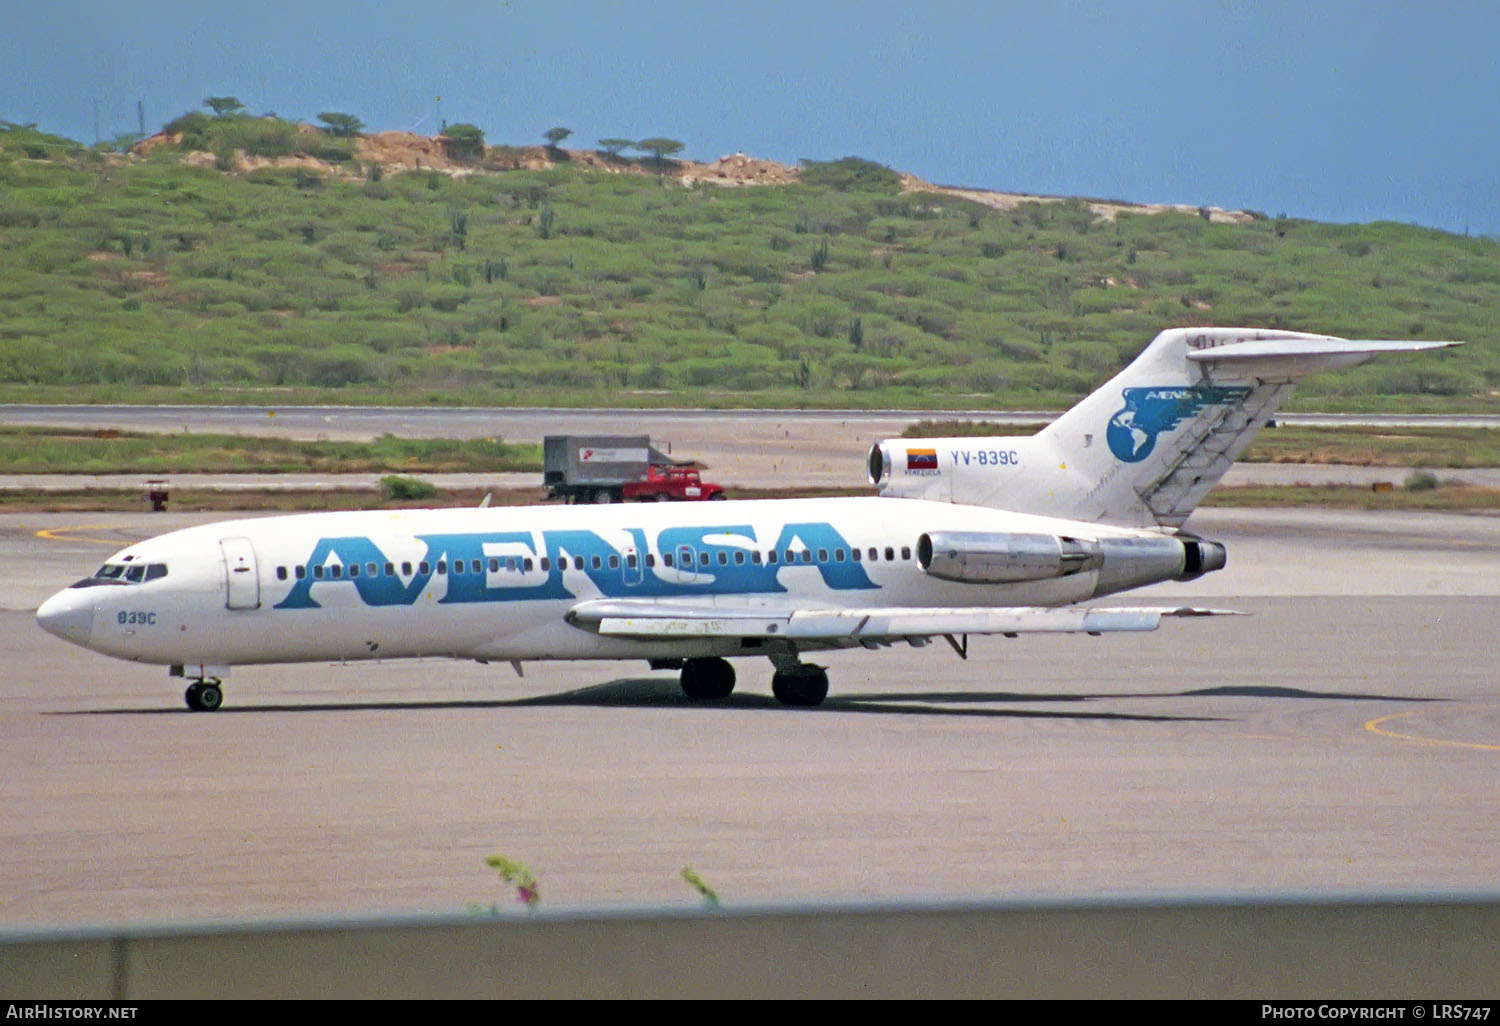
column 804, row 685
column 794, row 683
column 204, row 695
column 707, row 679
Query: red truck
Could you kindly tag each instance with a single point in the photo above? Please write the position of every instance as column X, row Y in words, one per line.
column 670, row 484
column 616, row 468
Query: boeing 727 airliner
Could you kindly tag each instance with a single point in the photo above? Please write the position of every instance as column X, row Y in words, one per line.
column 968, row 536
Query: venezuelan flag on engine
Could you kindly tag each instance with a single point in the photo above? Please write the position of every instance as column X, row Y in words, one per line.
column 921, row 459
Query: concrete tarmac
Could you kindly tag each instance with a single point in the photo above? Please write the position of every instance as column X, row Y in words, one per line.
column 1343, row 737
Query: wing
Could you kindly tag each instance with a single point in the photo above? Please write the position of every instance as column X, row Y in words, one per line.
column 659, row 621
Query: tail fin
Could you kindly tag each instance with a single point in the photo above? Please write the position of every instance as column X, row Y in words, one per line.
column 1144, row 449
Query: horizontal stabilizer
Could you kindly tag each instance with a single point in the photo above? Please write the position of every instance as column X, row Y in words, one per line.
column 646, row 620
column 1299, row 356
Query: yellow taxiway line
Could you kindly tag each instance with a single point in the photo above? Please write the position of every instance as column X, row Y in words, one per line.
column 62, row 534
column 1373, row 726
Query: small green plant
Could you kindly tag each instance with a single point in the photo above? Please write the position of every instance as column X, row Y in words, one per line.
column 697, row 883
column 399, row 488
column 1420, row 481
column 819, row 258
column 520, row 877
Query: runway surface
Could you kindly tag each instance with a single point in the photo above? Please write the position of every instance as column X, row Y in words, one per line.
column 1346, row 736
column 740, row 448
column 750, row 471
column 529, row 424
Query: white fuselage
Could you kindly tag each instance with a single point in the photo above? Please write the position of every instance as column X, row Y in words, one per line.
column 497, row 583
column 939, row 554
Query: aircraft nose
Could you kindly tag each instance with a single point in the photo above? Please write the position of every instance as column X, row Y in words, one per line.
column 67, row 617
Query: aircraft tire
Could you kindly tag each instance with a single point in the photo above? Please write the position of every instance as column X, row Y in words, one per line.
column 203, row 696
column 804, row 687
column 707, row 679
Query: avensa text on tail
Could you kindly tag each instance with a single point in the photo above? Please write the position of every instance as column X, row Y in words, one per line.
column 969, row 536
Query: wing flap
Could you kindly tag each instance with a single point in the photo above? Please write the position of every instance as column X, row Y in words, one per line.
column 852, row 626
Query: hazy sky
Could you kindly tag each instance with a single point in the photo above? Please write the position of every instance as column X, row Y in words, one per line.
column 1340, row 110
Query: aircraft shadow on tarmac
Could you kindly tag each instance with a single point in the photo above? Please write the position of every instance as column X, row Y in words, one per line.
column 659, row 693
column 646, row 692
column 1269, row 691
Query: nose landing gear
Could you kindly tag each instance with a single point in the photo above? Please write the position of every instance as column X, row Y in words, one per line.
column 206, row 692
column 204, row 695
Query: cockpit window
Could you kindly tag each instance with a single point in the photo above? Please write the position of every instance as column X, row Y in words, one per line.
column 124, row 573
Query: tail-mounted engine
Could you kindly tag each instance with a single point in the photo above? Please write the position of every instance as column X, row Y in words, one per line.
column 974, row 557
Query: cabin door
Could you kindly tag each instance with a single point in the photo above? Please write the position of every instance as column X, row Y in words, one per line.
column 687, row 560
column 241, row 575
column 631, row 570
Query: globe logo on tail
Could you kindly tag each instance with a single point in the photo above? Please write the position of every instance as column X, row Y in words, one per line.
column 1148, row 412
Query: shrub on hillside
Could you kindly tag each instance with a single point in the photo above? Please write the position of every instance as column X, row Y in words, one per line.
column 263, row 137
column 463, row 142
column 851, row 174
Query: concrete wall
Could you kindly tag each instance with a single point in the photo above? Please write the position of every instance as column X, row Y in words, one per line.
column 1424, row 947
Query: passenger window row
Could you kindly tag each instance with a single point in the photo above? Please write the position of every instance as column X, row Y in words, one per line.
column 686, row 558
column 334, row 571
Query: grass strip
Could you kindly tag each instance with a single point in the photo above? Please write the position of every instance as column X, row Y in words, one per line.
column 25, row 450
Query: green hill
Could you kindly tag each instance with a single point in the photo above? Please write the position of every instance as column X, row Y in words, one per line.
column 163, row 278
